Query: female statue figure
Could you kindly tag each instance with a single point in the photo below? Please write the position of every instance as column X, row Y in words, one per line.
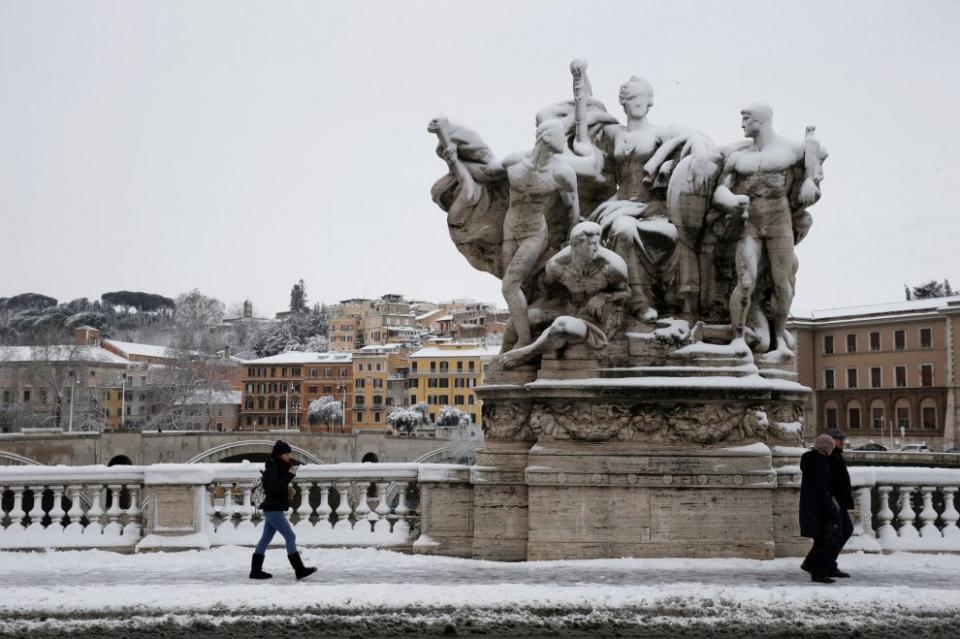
column 540, row 182
column 635, row 220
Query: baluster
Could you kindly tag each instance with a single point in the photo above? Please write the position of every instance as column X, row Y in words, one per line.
column 35, row 529
column 3, row 513
column 17, row 513
column 383, row 509
column 75, row 527
column 950, row 515
column 906, row 515
column 229, row 506
column 113, row 527
column 132, row 531
column 94, row 513
column 401, row 527
column 863, row 526
column 343, row 510
column 304, row 510
column 246, row 509
column 928, row 515
column 885, row 533
column 323, row 509
column 363, row 511
column 57, row 513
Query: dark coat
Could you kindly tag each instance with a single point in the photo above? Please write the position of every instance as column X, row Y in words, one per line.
column 276, row 477
column 816, row 505
column 840, row 480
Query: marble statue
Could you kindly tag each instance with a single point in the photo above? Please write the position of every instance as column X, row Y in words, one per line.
column 706, row 233
column 764, row 185
column 593, row 281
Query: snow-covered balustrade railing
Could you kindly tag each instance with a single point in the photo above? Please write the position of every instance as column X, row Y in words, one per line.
column 910, row 509
column 342, row 504
column 70, row 506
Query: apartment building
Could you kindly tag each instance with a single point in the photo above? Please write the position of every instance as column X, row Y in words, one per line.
column 381, row 377
column 884, row 373
column 278, row 390
column 445, row 374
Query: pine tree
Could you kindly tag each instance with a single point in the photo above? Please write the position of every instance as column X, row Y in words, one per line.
column 298, row 298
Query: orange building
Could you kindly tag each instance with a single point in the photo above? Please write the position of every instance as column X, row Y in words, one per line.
column 277, row 390
column 884, row 373
column 381, row 377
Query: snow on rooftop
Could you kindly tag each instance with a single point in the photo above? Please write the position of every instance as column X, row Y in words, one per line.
column 143, row 350
column 60, row 353
column 890, row 308
column 376, row 348
column 304, row 357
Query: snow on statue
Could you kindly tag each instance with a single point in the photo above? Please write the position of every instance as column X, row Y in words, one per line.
column 705, row 233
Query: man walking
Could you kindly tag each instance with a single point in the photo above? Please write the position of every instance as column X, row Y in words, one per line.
column 818, row 514
column 841, row 491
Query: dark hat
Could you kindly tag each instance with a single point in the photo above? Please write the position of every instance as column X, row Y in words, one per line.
column 836, row 433
column 280, row 447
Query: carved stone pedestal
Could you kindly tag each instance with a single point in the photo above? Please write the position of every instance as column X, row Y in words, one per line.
column 640, row 466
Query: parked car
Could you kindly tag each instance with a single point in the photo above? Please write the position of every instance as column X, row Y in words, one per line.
column 872, row 446
column 955, row 449
column 914, row 448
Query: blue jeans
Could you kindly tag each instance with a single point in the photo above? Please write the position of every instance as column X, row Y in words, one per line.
column 275, row 521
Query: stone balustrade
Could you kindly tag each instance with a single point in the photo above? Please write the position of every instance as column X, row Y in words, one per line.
column 906, row 509
column 179, row 506
column 70, row 507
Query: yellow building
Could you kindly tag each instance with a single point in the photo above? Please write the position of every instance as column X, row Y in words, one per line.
column 445, row 374
column 381, row 378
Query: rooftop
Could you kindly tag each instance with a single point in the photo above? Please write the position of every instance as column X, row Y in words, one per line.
column 876, row 310
column 143, row 350
column 457, row 350
column 304, row 357
column 60, row 353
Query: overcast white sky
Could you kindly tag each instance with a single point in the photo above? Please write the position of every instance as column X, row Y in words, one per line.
column 236, row 147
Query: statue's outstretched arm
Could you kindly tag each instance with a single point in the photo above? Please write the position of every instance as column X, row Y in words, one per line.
column 725, row 199
column 470, row 190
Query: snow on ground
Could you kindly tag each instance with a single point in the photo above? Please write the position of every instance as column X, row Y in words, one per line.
column 380, row 593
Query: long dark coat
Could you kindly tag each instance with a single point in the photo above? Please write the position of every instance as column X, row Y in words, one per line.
column 276, row 478
column 816, row 505
column 840, row 480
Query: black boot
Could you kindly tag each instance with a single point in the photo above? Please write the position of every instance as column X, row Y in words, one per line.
column 298, row 566
column 256, row 568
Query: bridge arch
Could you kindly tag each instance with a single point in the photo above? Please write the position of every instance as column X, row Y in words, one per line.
column 250, row 447
column 13, row 459
column 448, row 455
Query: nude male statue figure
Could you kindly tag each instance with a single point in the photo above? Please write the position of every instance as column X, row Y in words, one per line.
column 756, row 183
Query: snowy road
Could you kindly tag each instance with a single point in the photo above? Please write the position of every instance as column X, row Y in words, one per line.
column 371, row 593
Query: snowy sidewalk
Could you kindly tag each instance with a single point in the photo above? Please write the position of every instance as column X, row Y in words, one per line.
column 369, row 593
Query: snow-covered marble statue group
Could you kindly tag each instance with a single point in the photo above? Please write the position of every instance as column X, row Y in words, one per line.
column 633, row 245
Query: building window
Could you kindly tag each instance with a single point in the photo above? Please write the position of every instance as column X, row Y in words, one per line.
column 359, row 383
column 376, row 418
column 359, row 418
column 876, row 377
column 828, row 344
column 471, row 400
column 926, row 338
column 413, row 400
column 899, row 340
column 458, row 400
column 903, row 417
column 928, row 414
column 851, row 378
column 875, row 341
column 852, row 343
column 926, row 374
column 444, row 382
column 901, row 376
column 831, row 417
column 26, row 396
column 853, row 418
column 877, row 417
column 828, row 378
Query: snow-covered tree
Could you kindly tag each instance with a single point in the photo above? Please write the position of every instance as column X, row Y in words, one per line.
column 451, row 417
column 325, row 410
column 194, row 310
column 298, row 298
column 931, row 289
column 404, row 420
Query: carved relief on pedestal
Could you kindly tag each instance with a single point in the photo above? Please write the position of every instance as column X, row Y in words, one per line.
column 710, row 423
column 507, row 421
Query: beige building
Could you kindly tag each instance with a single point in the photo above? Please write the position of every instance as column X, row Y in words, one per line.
column 381, row 377
column 885, row 373
column 445, row 374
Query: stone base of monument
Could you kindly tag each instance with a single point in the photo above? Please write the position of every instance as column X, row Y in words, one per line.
column 638, row 466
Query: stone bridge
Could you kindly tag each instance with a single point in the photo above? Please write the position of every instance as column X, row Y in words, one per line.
column 80, row 449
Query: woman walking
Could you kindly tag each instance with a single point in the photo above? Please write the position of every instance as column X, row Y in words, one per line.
column 277, row 474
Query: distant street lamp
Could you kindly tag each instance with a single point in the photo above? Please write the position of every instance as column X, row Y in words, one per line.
column 73, row 386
